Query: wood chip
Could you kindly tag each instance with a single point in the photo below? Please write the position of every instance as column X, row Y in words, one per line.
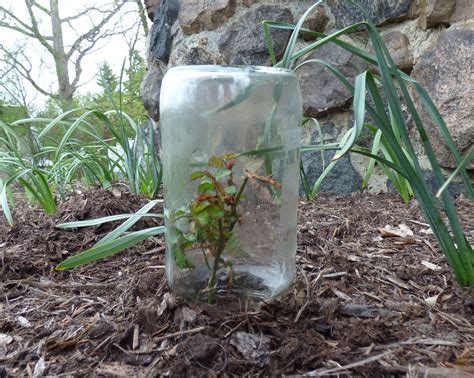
column 364, row 311
column 136, row 337
column 398, row 282
column 5, row 339
column 430, row 266
column 334, row 275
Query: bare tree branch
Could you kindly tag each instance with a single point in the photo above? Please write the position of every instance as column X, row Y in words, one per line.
column 82, row 13
column 10, row 21
column 34, row 27
column 104, row 24
column 91, row 35
column 143, row 17
column 24, row 69
column 41, row 8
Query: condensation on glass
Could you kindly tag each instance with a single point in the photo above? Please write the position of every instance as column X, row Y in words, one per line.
column 215, row 110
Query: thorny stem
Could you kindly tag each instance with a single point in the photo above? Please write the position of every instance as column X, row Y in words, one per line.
column 223, row 242
column 237, row 197
column 212, row 280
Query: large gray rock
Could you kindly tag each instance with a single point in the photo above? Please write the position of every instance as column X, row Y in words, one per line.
column 161, row 39
column 196, row 16
column 463, row 11
column 344, row 178
column 243, row 41
column 398, row 46
column 381, row 11
column 150, row 89
column 436, row 12
column 445, row 70
column 151, row 6
column 193, row 51
column 322, row 91
column 455, row 188
column 316, row 21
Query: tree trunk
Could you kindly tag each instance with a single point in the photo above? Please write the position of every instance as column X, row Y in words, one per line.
column 60, row 59
column 143, row 19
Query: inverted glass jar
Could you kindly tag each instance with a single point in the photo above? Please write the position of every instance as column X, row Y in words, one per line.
column 230, row 141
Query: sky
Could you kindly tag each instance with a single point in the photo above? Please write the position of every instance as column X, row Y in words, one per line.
column 113, row 49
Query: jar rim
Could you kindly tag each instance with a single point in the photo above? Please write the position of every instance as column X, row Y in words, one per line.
column 209, row 69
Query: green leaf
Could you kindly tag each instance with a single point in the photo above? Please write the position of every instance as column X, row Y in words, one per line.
column 111, row 218
column 125, row 226
column 359, row 114
column 231, row 189
column 294, row 36
column 110, row 248
column 216, row 162
column 199, row 207
column 205, row 186
column 221, row 173
column 181, row 259
column 198, row 174
column 228, row 157
column 215, row 212
column 203, row 218
column 190, row 237
column 469, row 156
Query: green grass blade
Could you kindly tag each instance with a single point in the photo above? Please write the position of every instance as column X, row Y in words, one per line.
column 127, row 224
column 304, row 180
column 374, row 151
column 5, row 206
column 287, row 56
column 110, row 218
column 268, row 41
column 110, row 248
column 317, row 126
column 321, row 42
column 469, row 156
column 359, row 115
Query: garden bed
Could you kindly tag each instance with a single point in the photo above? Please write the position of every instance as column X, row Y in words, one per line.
column 365, row 302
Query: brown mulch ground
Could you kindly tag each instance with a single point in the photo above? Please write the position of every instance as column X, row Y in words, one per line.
column 362, row 304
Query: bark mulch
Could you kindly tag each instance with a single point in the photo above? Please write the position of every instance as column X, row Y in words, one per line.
column 373, row 297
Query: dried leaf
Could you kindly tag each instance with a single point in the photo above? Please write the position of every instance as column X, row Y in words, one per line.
column 267, row 179
column 431, row 301
column 252, row 347
column 116, row 192
column 168, row 302
column 402, row 231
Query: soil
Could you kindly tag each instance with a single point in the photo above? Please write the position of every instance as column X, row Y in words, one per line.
column 366, row 302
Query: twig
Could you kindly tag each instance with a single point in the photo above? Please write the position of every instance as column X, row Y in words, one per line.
column 60, row 286
column 180, row 333
column 136, row 335
column 300, row 312
column 168, row 336
column 350, row 366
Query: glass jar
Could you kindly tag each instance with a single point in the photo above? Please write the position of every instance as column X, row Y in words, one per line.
column 230, row 153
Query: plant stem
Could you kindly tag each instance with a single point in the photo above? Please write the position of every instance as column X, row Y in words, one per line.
column 223, row 242
column 212, row 280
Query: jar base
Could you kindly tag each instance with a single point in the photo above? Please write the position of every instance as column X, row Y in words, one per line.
column 250, row 284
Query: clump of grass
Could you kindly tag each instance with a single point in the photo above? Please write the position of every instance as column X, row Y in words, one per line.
column 392, row 148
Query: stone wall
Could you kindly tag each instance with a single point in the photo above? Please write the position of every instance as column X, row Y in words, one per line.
column 433, row 40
